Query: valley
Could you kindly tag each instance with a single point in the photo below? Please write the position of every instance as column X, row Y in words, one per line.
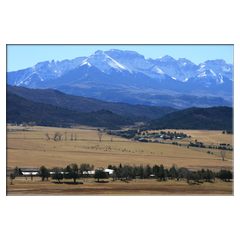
column 31, row 148
column 160, row 126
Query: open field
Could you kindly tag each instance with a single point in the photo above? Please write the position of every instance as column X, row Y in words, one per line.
column 89, row 186
column 31, row 148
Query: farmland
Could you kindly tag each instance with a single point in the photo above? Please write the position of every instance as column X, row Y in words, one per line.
column 31, row 148
column 22, row 186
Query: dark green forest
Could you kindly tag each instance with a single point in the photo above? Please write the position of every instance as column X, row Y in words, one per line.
column 214, row 118
column 21, row 110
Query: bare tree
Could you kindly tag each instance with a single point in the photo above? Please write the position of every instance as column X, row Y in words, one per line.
column 59, row 136
column 111, row 137
column 223, row 154
column 46, row 134
column 65, row 136
column 75, row 136
column 56, row 135
column 71, row 136
column 100, row 135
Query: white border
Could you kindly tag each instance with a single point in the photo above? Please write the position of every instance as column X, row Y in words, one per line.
column 124, row 22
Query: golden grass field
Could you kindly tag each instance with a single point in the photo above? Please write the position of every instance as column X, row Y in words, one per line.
column 32, row 149
column 89, row 186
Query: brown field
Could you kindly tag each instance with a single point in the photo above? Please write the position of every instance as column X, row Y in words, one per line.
column 32, row 149
column 89, row 186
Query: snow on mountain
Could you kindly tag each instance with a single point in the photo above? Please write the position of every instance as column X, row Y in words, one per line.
column 42, row 71
column 208, row 77
column 169, row 66
column 117, row 75
column 135, row 62
column 187, row 67
column 103, row 62
column 217, row 66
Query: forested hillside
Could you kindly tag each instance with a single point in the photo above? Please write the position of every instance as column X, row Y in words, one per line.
column 83, row 104
column 215, row 118
column 22, row 110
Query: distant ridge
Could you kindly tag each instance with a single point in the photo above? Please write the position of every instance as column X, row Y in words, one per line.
column 21, row 110
column 83, row 104
column 215, row 118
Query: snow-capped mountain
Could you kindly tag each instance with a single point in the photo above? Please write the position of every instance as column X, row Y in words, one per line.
column 42, row 71
column 117, row 75
column 104, row 62
column 136, row 62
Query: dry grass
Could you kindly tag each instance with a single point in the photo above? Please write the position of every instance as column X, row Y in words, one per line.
column 21, row 186
column 32, row 149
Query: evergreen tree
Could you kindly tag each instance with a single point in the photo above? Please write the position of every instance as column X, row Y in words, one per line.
column 44, row 173
column 12, row 176
column 99, row 173
column 57, row 174
column 72, row 171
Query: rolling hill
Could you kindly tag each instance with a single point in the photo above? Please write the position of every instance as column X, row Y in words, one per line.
column 21, row 110
column 215, row 118
column 83, row 104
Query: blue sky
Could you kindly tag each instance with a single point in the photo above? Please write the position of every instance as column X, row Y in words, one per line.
column 23, row 56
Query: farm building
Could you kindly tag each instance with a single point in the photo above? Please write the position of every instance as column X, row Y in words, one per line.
column 28, row 171
column 109, row 171
column 89, row 173
column 142, row 140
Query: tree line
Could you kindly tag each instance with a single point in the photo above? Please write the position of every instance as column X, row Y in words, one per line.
column 72, row 171
column 127, row 172
column 163, row 174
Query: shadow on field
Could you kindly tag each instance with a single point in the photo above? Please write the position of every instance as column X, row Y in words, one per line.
column 69, row 183
column 126, row 181
column 198, row 183
column 101, row 181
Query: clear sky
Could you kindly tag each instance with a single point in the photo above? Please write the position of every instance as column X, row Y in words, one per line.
column 23, row 56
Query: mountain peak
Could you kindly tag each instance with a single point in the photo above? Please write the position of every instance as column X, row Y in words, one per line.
column 113, row 73
column 184, row 60
column 166, row 58
column 216, row 61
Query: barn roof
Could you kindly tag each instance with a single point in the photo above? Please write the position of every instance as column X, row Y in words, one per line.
column 29, row 173
column 29, row 169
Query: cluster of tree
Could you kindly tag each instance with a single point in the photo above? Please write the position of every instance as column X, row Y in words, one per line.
column 137, row 134
column 130, row 172
column 58, row 136
column 162, row 174
column 174, row 134
column 126, row 134
column 72, row 171
column 200, row 144
column 228, row 131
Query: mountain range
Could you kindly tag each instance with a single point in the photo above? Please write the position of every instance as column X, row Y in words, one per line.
column 126, row 76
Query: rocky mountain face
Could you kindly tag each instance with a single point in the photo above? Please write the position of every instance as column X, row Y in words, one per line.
column 126, row 76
